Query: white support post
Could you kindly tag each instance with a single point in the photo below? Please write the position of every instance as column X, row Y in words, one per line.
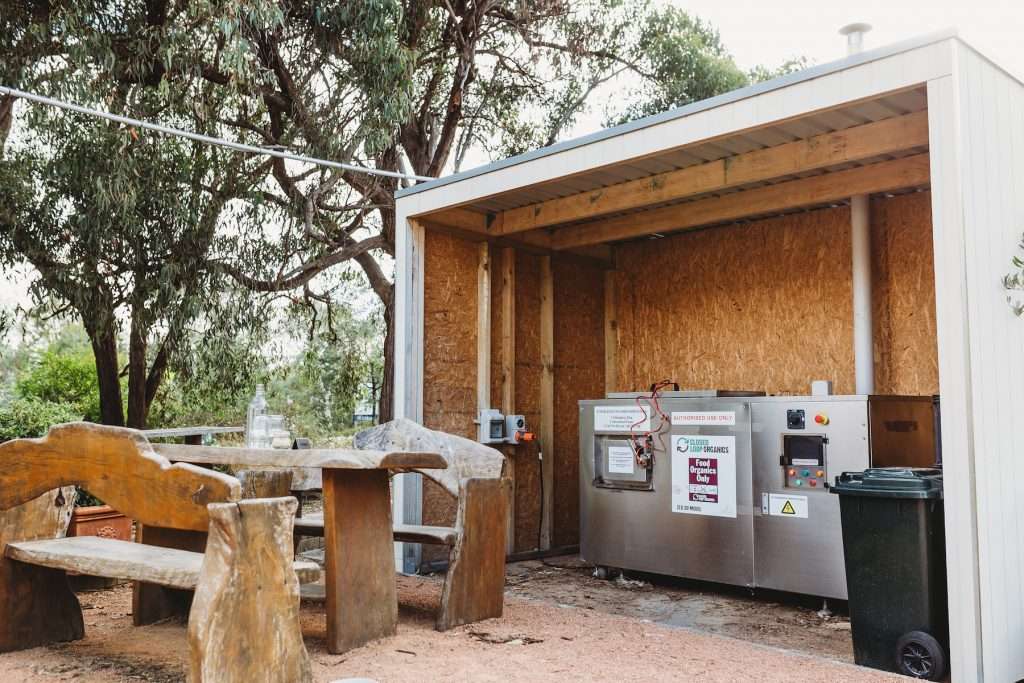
column 863, row 337
column 407, row 489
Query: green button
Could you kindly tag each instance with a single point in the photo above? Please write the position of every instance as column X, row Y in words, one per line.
column 806, row 473
column 799, row 482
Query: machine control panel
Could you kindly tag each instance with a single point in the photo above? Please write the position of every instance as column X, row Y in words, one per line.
column 803, row 461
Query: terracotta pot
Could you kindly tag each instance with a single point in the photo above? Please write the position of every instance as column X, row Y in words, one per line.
column 100, row 520
column 105, row 522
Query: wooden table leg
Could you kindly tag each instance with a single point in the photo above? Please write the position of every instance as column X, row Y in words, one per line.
column 362, row 604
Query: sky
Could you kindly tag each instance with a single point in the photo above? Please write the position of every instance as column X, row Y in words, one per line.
column 771, row 31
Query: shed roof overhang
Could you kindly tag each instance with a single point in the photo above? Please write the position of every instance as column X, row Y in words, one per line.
column 817, row 137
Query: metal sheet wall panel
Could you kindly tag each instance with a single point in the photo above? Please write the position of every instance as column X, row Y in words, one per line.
column 991, row 111
column 954, row 377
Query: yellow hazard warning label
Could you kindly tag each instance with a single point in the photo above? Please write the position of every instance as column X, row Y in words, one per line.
column 787, row 506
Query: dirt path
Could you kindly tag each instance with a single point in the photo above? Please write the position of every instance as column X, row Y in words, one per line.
column 536, row 640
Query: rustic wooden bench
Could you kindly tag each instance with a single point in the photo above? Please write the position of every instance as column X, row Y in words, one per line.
column 244, row 619
column 474, row 584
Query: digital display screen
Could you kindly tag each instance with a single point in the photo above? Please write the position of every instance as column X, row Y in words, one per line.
column 803, row 449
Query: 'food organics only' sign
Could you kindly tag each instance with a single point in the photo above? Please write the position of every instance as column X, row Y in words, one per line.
column 704, row 475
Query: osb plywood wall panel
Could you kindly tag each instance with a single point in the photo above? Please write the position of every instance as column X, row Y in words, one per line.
column 449, row 355
column 579, row 374
column 767, row 305
column 527, row 398
column 906, row 356
column 763, row 306
column 450, row 370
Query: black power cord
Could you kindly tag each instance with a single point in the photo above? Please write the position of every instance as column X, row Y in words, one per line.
column 540, row 472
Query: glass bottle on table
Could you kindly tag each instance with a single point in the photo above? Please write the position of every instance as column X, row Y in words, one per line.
column 255, row 434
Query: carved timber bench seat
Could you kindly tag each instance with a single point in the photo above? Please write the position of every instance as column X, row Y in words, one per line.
column 474, row 584
column 244, row 619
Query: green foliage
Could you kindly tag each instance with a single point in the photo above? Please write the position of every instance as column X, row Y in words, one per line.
column 685, row 61
column 31, row 417
column 185, row 250
column 67, row 379
column 1013, row 282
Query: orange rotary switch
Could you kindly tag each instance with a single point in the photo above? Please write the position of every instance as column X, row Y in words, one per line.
column 521, row 436
column 821, row 418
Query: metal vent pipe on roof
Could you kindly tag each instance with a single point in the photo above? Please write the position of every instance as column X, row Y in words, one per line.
column 860, row 235
column 854, row 36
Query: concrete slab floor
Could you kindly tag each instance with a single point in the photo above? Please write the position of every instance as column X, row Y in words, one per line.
column 782, row 620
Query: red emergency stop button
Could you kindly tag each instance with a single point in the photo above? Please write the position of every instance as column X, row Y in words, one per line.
column 821, row 418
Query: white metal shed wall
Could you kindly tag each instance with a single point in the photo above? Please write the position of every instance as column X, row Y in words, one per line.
column 990, row 108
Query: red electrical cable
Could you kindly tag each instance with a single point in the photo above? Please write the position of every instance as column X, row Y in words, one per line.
column 653, row 401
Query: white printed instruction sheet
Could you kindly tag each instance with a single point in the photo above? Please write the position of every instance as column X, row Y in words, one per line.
column 704, row 475
column 621, row 419
column 620, row 460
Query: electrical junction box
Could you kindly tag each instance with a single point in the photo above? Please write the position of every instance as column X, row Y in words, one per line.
column 495, row 428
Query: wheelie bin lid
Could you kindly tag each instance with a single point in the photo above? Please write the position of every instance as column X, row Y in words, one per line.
column 891, row 482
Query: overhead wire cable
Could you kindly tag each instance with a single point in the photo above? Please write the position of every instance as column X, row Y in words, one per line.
column 207, row 139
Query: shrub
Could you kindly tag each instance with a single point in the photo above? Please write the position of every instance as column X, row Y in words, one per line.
column 68, row 378
column 31, row 417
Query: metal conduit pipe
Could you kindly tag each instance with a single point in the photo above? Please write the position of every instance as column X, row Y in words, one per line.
column 863, row 338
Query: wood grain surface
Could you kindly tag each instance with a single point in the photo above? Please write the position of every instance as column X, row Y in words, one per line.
column 36, row 604
column 326, row 458
column 362, row 603
column 474, row 588
column 244, row 624
column 116, row 465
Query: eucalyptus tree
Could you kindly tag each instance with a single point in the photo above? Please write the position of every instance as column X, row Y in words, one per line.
column 412, row 85
column 122, row 229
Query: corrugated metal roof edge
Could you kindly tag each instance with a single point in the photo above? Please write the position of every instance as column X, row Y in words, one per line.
column 703, row 105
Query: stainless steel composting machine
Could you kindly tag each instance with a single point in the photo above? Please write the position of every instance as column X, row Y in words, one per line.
column 731, row 487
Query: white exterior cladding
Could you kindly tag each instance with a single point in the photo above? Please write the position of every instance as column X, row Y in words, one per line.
column 976, row 140
column 981, row 356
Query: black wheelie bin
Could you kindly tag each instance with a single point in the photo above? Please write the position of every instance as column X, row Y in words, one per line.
column 894, row 546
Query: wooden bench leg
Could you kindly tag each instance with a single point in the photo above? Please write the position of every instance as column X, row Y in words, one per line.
column 244, row 624
column 152, row 603
column 362, row 603
column 474, row 587
column 37, row 605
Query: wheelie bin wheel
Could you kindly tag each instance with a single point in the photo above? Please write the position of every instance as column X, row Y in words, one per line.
column 919, row 655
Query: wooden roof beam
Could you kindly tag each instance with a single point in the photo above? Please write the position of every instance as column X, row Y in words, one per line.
column 886, row 176
column 473, row 226
column 869, row 140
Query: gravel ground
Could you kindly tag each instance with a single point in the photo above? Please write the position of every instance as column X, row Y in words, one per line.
column 538, row 639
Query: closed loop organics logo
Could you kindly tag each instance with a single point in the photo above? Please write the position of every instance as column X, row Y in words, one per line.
column 691, row 445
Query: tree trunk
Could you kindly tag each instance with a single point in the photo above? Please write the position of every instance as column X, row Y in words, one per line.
column 387, row 389
column 138, row 407
column 104, row 348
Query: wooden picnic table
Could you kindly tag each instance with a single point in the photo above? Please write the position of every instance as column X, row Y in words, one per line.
column 359, row 577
